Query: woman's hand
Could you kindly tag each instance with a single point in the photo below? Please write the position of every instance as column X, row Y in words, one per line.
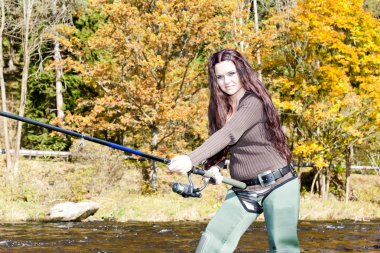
column 180, row 164
column 218, row 178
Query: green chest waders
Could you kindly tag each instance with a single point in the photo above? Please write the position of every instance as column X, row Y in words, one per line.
column 281, row 210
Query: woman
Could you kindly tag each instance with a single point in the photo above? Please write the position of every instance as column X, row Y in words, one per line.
column 244, row 124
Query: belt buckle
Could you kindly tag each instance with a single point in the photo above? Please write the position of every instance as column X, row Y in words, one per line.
column 292, row 169
column 261, row 180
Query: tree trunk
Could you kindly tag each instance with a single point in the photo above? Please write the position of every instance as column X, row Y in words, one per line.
column 58, row 69
column 349, row 158
column 21, row 112
column 328, row 175
column 11, row 61
column 239, row 20
column 314, row 180
column 300, row 171
column 150, row 173
column 27, row 13
column 322, row 184
column 153, row 175
column 3, row 93
column 257, row 34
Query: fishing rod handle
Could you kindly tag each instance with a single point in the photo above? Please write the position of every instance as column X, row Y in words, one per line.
column 225, row 180
column 234, row 182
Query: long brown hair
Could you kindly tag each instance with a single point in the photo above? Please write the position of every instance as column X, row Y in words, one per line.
column 219, row 106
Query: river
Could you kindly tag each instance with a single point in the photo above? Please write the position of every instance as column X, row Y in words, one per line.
column 315, row 236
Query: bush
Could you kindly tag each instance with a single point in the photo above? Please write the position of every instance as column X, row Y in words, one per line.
column 107, row 167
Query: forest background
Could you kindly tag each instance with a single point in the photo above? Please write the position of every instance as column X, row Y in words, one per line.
column 134, row 73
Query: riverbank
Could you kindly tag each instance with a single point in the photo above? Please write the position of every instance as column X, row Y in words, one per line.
column 44, row 183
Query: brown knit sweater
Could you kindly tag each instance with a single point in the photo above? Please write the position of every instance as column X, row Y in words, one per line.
column 251, row 153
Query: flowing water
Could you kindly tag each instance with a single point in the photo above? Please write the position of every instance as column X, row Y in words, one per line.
column 315, row 236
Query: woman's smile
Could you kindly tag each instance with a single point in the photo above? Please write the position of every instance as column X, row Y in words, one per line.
column 228, row 79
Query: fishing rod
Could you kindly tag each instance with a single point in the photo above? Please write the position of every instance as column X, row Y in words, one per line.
column 185, row 190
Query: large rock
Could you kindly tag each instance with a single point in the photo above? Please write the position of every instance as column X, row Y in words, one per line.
column 70, row 211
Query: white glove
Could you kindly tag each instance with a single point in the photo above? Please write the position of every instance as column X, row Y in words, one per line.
column 180, row 164
column 217, row 175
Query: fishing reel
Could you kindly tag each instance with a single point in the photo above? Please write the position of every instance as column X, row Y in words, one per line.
column 189, row 190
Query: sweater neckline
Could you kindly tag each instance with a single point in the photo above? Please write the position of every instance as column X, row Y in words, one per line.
column 246, row 94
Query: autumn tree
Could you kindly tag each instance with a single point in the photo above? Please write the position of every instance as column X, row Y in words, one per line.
column 150, row 74
column 325, row 72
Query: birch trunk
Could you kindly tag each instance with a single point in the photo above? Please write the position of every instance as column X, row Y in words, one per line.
column 58, row 68
column 3, row 93
column 27, row 14
column 257, row 34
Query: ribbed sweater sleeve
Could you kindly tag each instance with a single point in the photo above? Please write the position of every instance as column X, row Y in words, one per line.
column 248, row 114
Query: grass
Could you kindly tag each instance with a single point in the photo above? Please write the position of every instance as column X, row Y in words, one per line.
column 315, row 208
column 116, row 187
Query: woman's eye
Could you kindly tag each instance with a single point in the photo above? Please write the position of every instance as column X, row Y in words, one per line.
column 219, row 77
column 231, row 73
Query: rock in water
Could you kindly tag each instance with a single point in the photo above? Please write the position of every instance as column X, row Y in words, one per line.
column 70, row 211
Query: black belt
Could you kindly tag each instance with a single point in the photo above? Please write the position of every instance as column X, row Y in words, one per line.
column 269, row 177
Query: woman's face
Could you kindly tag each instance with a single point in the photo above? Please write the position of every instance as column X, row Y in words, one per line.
column 228, row 79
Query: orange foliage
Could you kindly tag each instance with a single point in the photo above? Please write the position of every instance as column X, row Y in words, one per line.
column 151, row 72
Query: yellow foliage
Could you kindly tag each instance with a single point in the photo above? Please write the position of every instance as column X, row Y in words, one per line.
column 326, row 57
